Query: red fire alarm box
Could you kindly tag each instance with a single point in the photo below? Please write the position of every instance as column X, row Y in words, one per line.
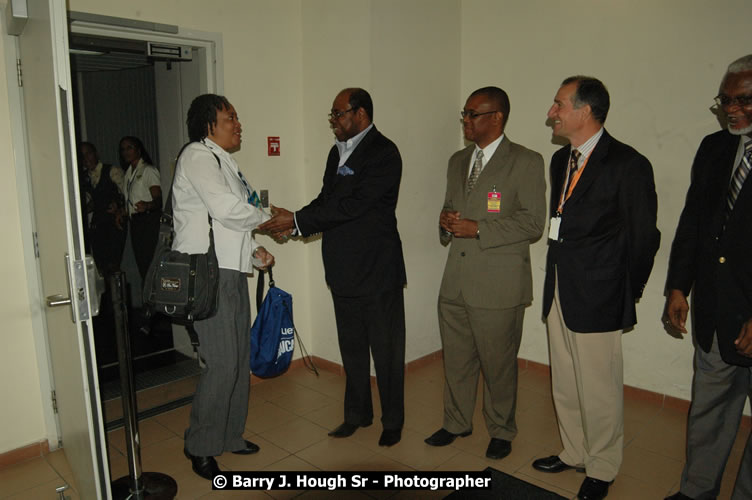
column 273, row 143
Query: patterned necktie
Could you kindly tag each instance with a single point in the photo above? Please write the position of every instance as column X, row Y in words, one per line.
column 737, row 180
column 477, row 166
column 574, row 158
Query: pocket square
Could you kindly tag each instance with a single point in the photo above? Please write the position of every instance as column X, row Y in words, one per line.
column 345, row 170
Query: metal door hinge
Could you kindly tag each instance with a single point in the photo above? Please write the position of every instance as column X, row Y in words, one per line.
column 35, row 237
column 19, row 73
column 54, row 401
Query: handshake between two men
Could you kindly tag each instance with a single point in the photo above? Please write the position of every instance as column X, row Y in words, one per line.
column 281, row 226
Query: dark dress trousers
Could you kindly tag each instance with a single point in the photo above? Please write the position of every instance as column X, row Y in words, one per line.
column 105, row 238
column 710, row 258
column 607, row 240
column 365, row 271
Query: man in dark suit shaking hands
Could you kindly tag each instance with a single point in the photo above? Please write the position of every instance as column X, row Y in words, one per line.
column 495, row 205
column 363, row 260
column 712, row 257
column 602, row 242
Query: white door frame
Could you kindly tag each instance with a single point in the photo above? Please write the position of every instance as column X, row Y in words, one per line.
column 211, row 43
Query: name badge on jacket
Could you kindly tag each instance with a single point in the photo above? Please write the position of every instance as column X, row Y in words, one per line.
column 494, row 202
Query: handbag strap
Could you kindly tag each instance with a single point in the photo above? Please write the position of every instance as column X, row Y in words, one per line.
column 167, row 231
column 166, row 227
column 260, row 287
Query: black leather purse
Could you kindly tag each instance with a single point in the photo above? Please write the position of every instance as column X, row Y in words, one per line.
column 179, row 285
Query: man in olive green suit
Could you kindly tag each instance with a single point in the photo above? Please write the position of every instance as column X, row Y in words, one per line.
column 495, row 206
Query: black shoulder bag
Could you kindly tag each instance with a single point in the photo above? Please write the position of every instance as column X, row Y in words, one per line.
column 179, row 285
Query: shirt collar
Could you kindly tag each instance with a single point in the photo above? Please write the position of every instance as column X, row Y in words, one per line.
column 489, row 150
column 587, row 147
column 352, row 142
column 96, row 170
column 214, row 146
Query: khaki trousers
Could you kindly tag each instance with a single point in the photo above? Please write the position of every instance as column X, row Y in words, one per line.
column 588, row 390
column 477, row 340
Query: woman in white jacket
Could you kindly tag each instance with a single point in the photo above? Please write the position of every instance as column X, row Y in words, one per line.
column 208, row 181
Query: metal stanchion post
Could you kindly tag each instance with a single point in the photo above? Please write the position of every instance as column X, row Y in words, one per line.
column 137, row 485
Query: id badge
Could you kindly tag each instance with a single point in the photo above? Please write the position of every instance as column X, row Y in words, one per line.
column 553, row 228
column 494, row 202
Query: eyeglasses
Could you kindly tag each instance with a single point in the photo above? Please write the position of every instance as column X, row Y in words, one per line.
column 740, row 100
column 473, row 115
column 339, row 114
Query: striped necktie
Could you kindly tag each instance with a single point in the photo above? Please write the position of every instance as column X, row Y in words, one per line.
column 740, row 175
column 477, row 167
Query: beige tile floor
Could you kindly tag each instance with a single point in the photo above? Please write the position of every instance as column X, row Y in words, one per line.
column 289, row 417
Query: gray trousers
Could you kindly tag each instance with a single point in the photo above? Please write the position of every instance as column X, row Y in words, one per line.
column 719, row 391
column 220, row 405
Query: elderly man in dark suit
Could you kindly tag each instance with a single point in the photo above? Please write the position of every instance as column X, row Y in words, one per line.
column 602, row 242
column 711, row 255
column 363, row 260
column 495, row 205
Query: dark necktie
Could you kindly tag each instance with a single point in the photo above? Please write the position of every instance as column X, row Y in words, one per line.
column 572, row 169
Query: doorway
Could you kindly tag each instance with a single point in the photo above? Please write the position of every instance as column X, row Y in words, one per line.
column 139, row 83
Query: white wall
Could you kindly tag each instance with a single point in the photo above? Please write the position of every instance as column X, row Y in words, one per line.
column 408, row 61
column 662, row 63
column 286, row 59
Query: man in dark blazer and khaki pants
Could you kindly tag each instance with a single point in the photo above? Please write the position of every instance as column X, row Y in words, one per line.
column 363, row 260
column 495, row 205
column 712, row 257
column 602, row 242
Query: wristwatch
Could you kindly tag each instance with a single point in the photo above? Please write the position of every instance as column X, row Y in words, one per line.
column 477, row 233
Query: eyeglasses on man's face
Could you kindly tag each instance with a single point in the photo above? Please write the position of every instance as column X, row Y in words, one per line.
column 473, row 114
column 336, row 115
column 726, row 101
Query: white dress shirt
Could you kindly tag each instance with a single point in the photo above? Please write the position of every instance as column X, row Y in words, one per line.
column 488, row 152
column 587, row 147
column 200, row 185
column 345, row 148
column 137, row 183
column 116, row 176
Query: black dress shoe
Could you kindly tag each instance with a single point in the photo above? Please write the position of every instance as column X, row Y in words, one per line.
column 250, row 449
column 346, row 430
column 678, row 496
column 498, row 448
column 390, row 437
column 205, row 467
column 443, row 437
column 553, row 464
column 593, row 489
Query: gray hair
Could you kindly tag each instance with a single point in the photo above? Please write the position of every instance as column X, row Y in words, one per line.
column 741, row 65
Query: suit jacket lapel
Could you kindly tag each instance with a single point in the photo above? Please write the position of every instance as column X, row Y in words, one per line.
column 593, row 168
column 496, row 163
column 492, row 168
column 464, row 170
column 356, row 157
column 727, row 168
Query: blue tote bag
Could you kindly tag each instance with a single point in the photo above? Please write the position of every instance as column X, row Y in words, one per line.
column 273, row 332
